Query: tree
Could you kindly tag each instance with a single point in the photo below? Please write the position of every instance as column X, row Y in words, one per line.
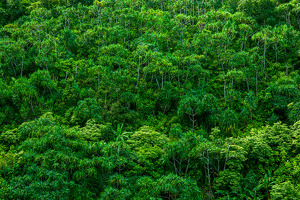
column 262, row 10
column 282, row 92
column 279, row 191
column 197, row 104
column 294, row 112
column 86, row 109
column 172, row 186
column 149, row 146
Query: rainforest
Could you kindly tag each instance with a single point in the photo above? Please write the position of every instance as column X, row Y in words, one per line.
column 149, row 99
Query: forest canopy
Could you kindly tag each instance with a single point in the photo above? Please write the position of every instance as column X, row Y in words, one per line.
column 156, row 99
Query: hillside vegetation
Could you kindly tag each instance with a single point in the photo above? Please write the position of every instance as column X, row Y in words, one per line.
column 150, row 99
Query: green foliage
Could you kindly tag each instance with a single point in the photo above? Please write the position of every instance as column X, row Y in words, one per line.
column 172, row 186
column 198, row 104
column 131, row 99
column 149, row 146
column 86, row 109
column 285, row 190
column 294, row 112
column 262, row 10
